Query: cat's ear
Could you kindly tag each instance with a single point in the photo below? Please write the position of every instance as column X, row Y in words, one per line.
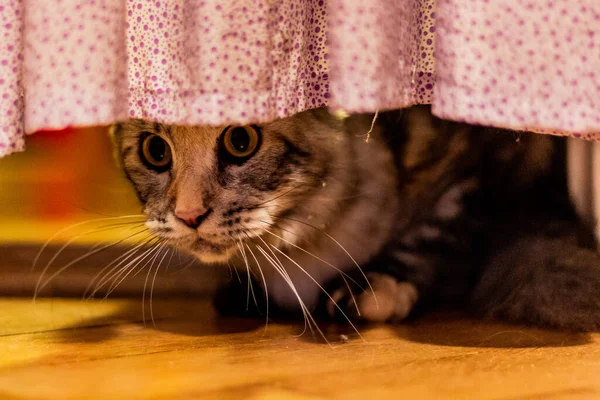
column 324, row 116
column 115, row 132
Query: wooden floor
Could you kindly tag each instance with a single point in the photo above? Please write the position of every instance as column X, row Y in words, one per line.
column 69, row 349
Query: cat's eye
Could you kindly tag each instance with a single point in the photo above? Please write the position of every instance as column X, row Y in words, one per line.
column 240, row 141
column 156, row 152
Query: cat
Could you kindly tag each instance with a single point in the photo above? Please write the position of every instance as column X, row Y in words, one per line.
column 371, row 219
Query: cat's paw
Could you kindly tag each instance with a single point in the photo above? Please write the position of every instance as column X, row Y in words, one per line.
column 390, row 300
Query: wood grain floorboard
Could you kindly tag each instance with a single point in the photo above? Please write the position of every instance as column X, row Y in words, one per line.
column 68, row 349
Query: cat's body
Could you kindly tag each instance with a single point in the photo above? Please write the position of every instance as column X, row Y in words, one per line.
column 428, row 209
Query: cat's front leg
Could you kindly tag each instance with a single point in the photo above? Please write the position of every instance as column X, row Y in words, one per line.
column 431, row 260
column 396, row 283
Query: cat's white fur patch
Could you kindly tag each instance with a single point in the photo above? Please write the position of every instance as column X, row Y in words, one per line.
column 424, row 232
column 290, row 238
column 449, row 206
column 410, row 259
column 259, row 221
column 391, row 300
column 155, row 225
column 430, row 232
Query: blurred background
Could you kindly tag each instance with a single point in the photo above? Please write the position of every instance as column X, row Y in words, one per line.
column 62, row 178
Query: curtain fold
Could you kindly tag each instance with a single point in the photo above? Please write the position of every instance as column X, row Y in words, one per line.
column 11, row 86
column 521, row 64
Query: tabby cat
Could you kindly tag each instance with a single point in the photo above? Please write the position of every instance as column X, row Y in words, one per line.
column 370, row 219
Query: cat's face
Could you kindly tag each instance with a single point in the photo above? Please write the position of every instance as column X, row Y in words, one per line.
column 207, row 190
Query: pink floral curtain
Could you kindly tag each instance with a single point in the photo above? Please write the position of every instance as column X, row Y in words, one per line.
column 523, row 64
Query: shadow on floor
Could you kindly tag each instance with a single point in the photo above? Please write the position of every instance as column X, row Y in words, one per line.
column 196, row 317
column 189, row 316
column 460, row 330
column 456, row 329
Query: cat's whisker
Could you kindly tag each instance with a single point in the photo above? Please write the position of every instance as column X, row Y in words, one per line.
column 276, row 263
column 119, row 267
column 144, row 293
column 342, row 248
column 116, row 263
column 122, row 258
column 162, row 244
column 63, row 247
column 173, row 250
column 39, row 286
column 309, row 320
column 281, row 195
column 250, row 287
column 185, row 267
column 292, row 202
column 57, row 234
column 264, row 283
column 152, row 288
column 234, row 269
column 238, row 256
column 126, row 272
column 342, row 273
column 230, row 270
column 320, row 287
column 107, row 227
column 247, row 269
column 179, row 261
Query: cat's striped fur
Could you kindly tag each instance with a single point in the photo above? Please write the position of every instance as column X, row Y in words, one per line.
column 429, row 209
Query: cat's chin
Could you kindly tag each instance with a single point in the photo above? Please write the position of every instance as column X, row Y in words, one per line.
column 206, row 251
column 213, row 257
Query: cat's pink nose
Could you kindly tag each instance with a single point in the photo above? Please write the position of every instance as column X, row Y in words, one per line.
column 193, row 218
